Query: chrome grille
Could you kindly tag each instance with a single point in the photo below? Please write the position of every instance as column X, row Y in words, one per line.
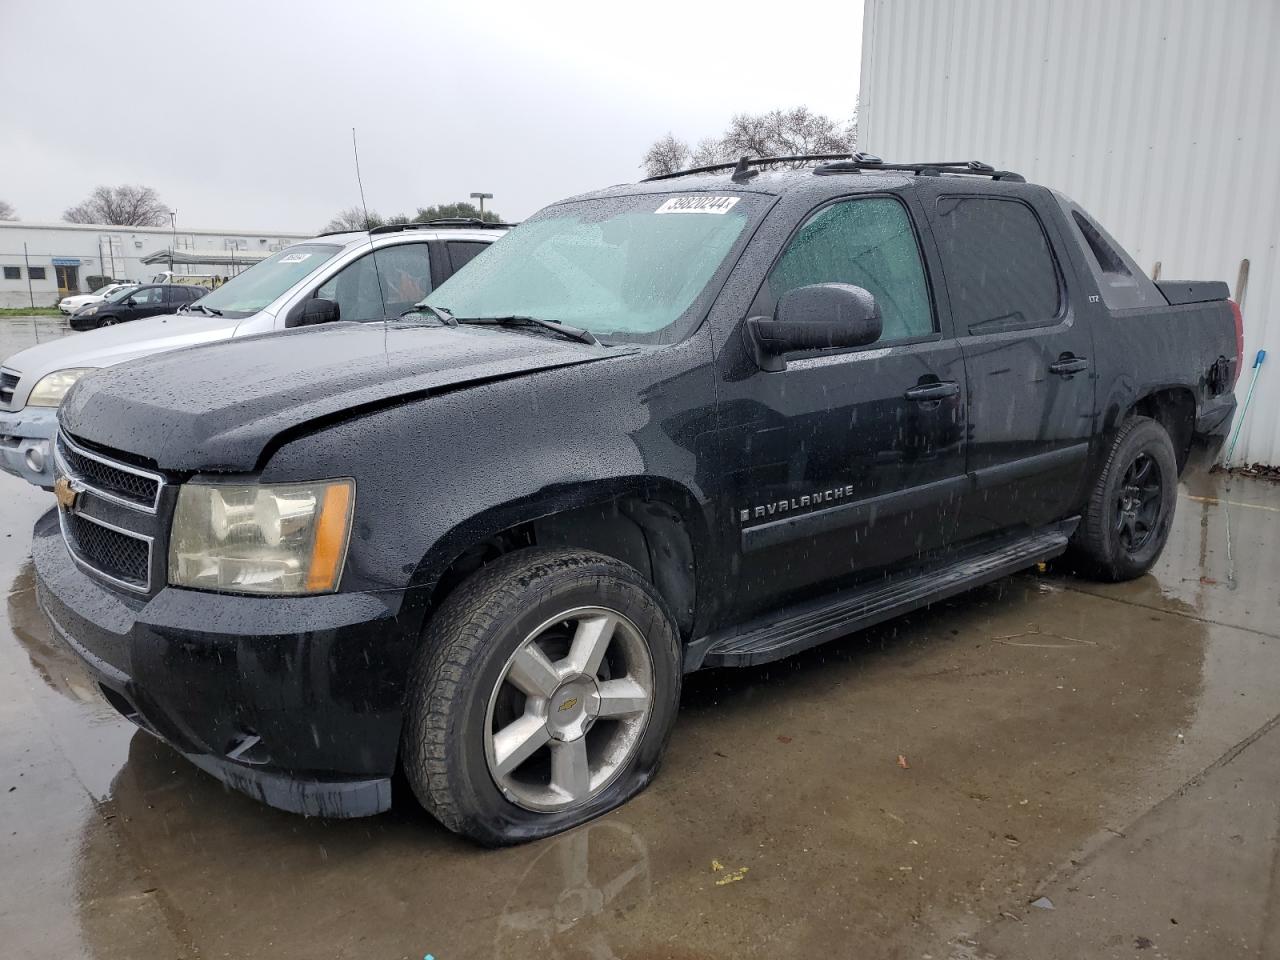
column 110, row 521
column 116, row 554
column 110, row 479
column 8, row 383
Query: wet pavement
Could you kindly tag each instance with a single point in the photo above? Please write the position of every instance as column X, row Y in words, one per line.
column 1112, row 749
column 18, row 333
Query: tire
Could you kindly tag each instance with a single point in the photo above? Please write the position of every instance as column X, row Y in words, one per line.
column 1127, row 519
column 465, row 695
column 108, row 322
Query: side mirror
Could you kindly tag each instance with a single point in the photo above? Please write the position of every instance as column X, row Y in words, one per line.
column 130, row 302
column 319, row 310
column 821, row 316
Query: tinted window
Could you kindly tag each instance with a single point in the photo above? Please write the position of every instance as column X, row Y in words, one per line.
column 1120, row 281
column 36, row 273
column 1000, row 272
column 463, row 252
column 870, row 244
column 13, row 273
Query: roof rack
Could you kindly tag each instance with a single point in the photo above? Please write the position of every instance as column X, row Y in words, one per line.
column 834, row 163
column 469, row 223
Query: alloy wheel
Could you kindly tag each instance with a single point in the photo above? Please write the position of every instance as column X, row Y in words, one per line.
column 1138, row 505
column 569, row 709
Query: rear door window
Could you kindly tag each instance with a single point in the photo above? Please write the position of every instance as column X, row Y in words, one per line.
column 998, row 264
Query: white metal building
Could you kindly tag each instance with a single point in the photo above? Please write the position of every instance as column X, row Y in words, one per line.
column 42, row 262
column 1161, row 118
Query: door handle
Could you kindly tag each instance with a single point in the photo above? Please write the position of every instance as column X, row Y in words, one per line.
column 937, row 390
column 1065, row 366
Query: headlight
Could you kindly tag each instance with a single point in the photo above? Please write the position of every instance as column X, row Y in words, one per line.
column 52, row 388
column 90, row 311
column 261, row 538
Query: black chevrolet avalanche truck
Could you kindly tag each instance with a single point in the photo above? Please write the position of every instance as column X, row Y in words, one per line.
column 707, row 420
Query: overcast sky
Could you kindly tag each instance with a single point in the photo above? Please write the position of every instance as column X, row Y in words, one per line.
column 240, row 114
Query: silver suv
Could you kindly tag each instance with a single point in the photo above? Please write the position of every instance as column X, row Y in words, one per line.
column 340, row 276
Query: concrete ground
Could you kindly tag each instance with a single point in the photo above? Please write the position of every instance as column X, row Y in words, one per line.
column 1044, row 768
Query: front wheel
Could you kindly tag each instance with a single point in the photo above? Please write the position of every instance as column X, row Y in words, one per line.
column 1130, row 508
column 543, row 695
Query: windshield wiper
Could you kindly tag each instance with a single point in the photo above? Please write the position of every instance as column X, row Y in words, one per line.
column 440, row 313
column 573, row 333
column 211, row 311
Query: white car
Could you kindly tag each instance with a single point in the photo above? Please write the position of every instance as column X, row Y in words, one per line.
column 70, row 305
column 344, row 276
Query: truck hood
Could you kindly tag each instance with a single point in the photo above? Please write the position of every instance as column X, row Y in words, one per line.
column 220, row 407
column 107, row 346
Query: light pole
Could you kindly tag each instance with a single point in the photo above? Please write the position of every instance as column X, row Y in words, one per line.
column 482, row 197
column 173, row 222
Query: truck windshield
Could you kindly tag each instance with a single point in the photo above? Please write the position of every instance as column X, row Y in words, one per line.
column 263, row 282
column 636, row 268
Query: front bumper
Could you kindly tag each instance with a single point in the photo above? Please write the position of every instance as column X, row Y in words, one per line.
column 295, row 701
column 27, row 435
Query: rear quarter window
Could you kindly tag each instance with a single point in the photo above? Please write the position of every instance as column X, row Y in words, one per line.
column 462, row 252
column 1120, row 280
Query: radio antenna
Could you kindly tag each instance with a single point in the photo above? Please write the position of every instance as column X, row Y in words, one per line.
column 373, row 256
column 355, row 152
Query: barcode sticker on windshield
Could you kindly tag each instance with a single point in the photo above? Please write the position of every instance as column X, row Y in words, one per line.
column 295, row 257
column 698, row 204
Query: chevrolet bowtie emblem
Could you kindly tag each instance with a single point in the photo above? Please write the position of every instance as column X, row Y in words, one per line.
column 567, row 705
column 65, row 493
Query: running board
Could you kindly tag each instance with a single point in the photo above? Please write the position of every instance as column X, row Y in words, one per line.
column 790, row 630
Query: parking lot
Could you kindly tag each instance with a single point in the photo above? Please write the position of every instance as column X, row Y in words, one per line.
column 1045, row 768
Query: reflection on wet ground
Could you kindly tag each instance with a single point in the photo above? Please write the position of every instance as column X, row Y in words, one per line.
column 18, row 333
column 1110, row 748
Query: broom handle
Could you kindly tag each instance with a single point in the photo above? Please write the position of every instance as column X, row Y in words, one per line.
column 1257, row 368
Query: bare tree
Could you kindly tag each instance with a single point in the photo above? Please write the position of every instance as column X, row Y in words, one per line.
column 354, row 218
column 7, row 212
column 777, row 133
column 782, row 133
column 125, row 206
column 667, row 155
column 708, row 151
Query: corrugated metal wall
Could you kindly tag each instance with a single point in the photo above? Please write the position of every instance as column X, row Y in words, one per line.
column 1160, row 117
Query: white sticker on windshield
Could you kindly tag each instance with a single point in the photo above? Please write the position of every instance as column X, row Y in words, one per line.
column 698, row 204
column 294, row 257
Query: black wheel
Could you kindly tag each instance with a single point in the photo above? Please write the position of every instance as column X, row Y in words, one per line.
column 542, row 695
column 108, row 322
column 1130, row 508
